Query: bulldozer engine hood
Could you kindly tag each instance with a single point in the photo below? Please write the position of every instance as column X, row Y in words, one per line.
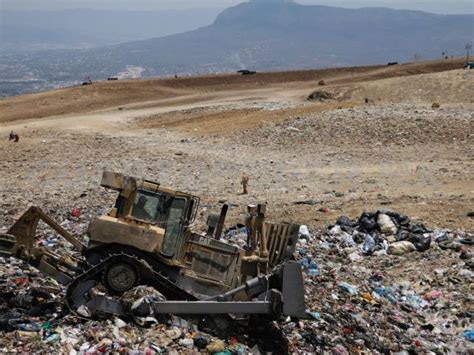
column 108, row 230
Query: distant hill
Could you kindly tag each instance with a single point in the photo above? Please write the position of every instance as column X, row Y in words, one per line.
column 265, row 35
column 280, row 35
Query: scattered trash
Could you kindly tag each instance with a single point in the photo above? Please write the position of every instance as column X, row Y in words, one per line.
column 420, row 242
column 306, row 202
column 369, row 245
column 401, row 248
column 303, row 233
column 75, row 213
column 386, row 225
column 362, row 285
column 310, row 267
column 433, row 295
column 216, row 346
column 349, row 288
column 469, row 334
column 353, row 282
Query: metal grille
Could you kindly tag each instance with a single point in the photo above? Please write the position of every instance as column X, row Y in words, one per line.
column 281, row 241
column 201, row 265
column 210, row 264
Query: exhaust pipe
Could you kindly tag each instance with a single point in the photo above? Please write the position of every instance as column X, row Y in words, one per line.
column 220, row 223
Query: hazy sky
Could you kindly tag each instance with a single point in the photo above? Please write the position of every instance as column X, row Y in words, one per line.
column 439, row 6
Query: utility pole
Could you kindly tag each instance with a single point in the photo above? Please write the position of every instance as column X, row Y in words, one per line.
column 468, row 50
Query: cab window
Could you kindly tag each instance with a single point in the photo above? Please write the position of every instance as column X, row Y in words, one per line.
column 146, row 206
column 157, row 208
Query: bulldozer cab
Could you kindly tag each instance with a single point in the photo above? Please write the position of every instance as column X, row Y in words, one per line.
column 168, row 211
column 147, row 203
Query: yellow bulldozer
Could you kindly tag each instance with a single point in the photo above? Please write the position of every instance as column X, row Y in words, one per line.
column 147, row 240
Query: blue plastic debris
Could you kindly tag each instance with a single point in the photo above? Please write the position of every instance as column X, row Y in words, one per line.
column 469, row 334
column 348, row 287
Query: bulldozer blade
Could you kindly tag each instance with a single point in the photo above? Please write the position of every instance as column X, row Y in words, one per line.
column 293, row 291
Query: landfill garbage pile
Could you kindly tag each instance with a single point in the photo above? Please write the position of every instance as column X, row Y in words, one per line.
column 33, row 319
column 384, row 284
column 388, row 232
column 416, row 301
column 236, row 235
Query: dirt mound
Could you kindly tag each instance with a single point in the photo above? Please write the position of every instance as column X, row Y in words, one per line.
column 454, row 86
column 393, row 125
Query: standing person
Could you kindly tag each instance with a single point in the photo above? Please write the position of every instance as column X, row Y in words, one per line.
column 12, row 136
column 245, row 182
column 17, row 138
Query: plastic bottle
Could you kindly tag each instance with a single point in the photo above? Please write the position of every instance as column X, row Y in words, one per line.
column 369, row 245
column 313, row 269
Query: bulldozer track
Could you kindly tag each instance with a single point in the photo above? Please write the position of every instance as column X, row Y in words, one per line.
column 147, row 275
column 257, row 330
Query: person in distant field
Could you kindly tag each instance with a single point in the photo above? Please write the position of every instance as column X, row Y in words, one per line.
column 245, row 182
column 15, row 137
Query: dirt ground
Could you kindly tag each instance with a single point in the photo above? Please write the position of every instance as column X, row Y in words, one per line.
column 344, row 154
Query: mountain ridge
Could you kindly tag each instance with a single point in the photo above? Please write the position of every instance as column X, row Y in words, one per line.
column 266, row 35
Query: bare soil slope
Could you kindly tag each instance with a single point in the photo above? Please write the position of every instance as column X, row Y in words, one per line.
column 104, row 95
column 199, row 134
